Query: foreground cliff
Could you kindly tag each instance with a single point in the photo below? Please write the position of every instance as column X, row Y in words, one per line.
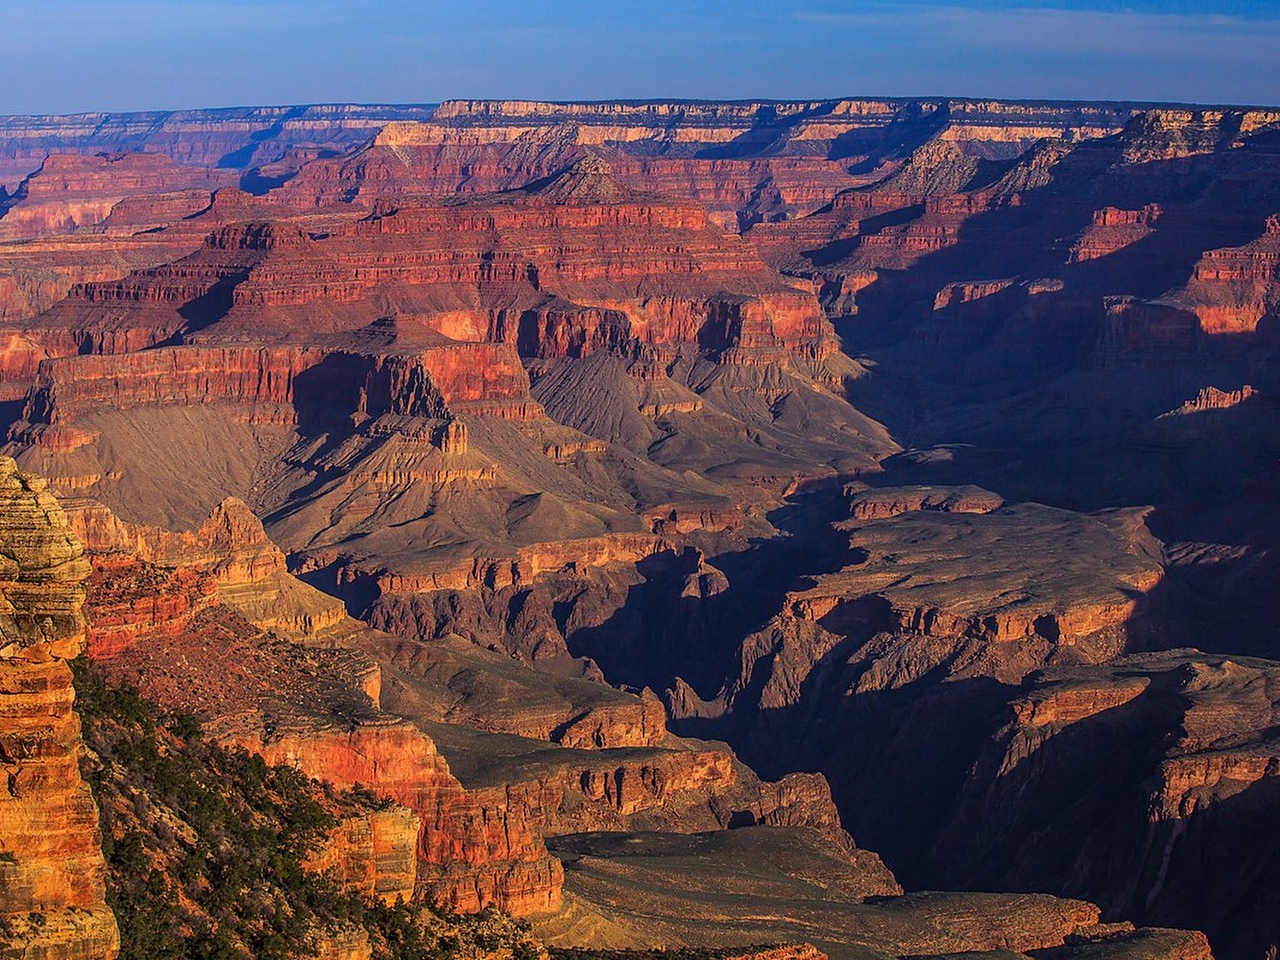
column 52, row 891
column 213, row 850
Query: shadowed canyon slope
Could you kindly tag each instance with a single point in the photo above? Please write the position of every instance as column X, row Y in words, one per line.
column 922, row 452
column 182, row 615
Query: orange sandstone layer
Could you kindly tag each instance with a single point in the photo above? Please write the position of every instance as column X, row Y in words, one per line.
column 473, row 851
column 51, row 864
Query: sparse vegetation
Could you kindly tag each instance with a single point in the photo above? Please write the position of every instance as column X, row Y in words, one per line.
column 680, row 953
column 205, row 849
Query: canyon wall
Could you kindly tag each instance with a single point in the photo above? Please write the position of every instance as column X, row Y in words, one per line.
column 52, row 874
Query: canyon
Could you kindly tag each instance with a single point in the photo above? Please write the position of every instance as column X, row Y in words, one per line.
column 635, row 495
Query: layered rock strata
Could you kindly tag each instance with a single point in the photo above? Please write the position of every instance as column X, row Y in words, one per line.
column 70, row 193
column 52, row 873
column 173, row 608
column 746, row 161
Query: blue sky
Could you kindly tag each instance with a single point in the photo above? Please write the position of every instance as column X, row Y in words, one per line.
column 114, row 55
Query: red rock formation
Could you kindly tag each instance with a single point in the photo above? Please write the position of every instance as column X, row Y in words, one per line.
column 640, row 266
column 567, row 279
column 159, row 621
column 681, row 149
column 522, row 568
column 1234, row 288
column 248, row 376
column 466, row 378
column 51, row 866
column 373, row 854
column 1172, row 133
column 984, row 596
column 1211, row 398
column 642, row 727
column 1112, row 230
column 798, row 951
column 1135, row 332
column 473, row 851
column 885, row 502
column 133, row 600
column 1184, row 735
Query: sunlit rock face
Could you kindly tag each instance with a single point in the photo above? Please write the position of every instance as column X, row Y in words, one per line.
column 52, row 873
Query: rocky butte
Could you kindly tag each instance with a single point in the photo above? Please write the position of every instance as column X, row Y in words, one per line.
column 637, row 494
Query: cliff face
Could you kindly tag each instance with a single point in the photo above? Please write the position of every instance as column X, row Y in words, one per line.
column 578, row 268
column 1191, row 761
column 1235, row 289
column 1091, row 215
column 161, row 598
column 402, row 336
column 615, row 767
column 473, row 851
column 986, row 597
column 52, row 870
column 374, row 854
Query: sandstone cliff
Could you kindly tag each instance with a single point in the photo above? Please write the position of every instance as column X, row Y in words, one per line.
column 51, row 866
column 163, row 598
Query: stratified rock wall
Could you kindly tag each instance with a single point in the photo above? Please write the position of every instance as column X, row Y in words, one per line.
column 471, row 854
column 52, row 873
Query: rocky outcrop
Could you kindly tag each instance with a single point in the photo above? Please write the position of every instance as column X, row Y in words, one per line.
column 51, row 866
column 1169, row 133
column 133, row 599
column 1234, row 289
column 374, row 854
column 884, row 502
column 170, row 605
column 1211, row 398
column 1175, row 748
column 926, row 582
column 1112, row 230
column 644, row 725
column 350, row 944
column 150, row 582
column 473, row 850
column 794, row 951
column 527, row 564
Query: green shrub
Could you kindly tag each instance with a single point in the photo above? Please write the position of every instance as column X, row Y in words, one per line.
column 205, row 847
